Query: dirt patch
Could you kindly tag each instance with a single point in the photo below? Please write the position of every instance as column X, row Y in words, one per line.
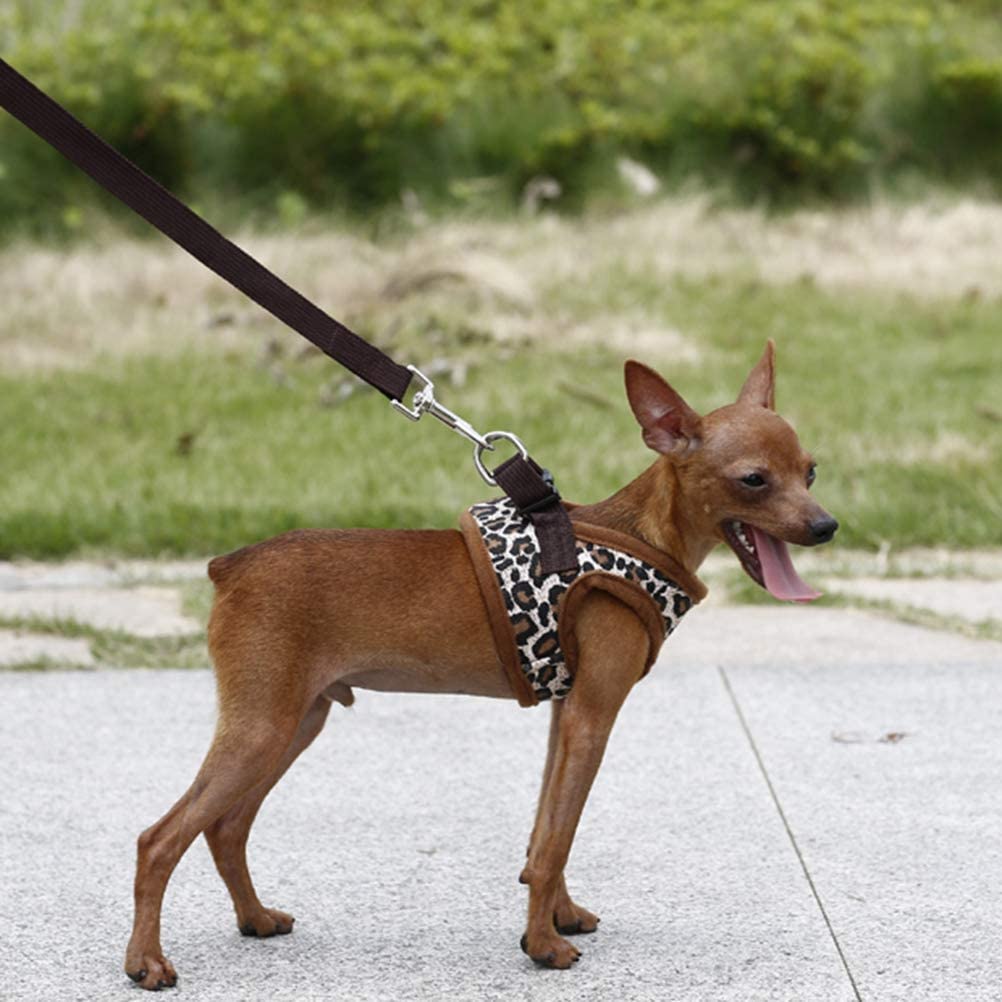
column 957, row 598
column 141, row 612
column 20, row 648
column 66, row 308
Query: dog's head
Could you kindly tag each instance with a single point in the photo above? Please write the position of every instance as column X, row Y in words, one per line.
column 741, row 473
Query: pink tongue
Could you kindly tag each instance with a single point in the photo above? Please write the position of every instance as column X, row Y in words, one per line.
column 781, row 580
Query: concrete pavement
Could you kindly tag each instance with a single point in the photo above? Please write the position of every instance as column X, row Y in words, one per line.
column 797, row 804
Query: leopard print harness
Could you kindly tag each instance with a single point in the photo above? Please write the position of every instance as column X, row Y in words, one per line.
column 532, row 600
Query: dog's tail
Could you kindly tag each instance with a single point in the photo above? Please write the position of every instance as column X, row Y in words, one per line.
column 222, row 568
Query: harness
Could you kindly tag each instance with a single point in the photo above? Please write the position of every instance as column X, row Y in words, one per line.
column 532, row 613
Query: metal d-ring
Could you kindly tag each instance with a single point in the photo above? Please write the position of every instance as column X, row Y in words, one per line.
column 489, row 439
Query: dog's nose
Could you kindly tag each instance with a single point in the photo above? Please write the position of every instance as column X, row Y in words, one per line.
column 822, row 529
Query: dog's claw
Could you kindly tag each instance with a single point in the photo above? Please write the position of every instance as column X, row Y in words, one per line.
column 156, row 974
column 271, row 922
column 570, row 930
column 553, row 958
column 578, row 921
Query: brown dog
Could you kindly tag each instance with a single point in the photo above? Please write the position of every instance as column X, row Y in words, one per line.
column 301, row 618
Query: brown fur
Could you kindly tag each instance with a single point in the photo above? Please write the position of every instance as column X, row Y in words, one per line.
column 300, row 619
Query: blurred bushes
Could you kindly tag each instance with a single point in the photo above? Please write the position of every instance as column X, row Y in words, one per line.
column 324, row 103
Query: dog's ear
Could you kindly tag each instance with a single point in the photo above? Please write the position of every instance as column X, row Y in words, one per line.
column 668, row 422
column 760, row 386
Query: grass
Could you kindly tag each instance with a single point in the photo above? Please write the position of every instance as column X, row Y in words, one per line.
column 114, row 647
column 218, row 430
column 915, row 616
column 739, row 589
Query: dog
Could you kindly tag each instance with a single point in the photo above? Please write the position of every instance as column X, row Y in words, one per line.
column 300, row 619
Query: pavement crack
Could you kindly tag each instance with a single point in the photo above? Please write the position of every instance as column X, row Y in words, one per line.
column 789, row 830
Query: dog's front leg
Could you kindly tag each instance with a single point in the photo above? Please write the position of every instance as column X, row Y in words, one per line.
column 613, row 649
column 569, row 918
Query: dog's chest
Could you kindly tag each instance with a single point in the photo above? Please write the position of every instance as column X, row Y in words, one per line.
column 536, row 603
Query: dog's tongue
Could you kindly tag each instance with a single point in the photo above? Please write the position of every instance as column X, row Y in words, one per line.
column 781, row 580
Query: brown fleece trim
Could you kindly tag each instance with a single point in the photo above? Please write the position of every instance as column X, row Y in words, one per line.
column 497, row 615
column 632, row 595
column 666, row 564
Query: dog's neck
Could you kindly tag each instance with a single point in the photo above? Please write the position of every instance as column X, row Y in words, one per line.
column 653, row 508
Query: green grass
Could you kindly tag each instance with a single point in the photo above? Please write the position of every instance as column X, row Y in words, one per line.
column 207, row 451
column 113, row 647
column 42, row 664
column 741, row 590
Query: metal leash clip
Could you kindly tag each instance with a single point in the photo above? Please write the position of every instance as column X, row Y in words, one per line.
column 424, row 402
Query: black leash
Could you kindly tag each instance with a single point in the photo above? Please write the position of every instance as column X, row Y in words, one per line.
column 523, row 480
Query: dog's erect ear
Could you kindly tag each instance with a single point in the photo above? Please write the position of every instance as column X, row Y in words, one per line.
column 760, row 386
column 668, row 422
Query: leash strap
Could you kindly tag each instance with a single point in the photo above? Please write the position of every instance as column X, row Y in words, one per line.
column 149, row 199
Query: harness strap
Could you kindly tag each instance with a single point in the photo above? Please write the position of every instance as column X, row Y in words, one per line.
column 532, row 490
column 149, row 199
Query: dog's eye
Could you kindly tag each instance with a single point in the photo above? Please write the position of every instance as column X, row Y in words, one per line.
column 812, row 474
column 753, row 480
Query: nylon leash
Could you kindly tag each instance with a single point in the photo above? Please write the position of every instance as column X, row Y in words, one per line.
column 530, row 488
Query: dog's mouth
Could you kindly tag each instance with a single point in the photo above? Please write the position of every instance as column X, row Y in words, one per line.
column 767, row 562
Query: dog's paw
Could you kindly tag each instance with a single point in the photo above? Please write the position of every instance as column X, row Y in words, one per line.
column 572, row 920
column 267, row 922
column 550, row 951
column 151, row 971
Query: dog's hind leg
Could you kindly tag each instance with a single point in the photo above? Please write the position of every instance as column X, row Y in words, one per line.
column 248, row 747
column 227, row 836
